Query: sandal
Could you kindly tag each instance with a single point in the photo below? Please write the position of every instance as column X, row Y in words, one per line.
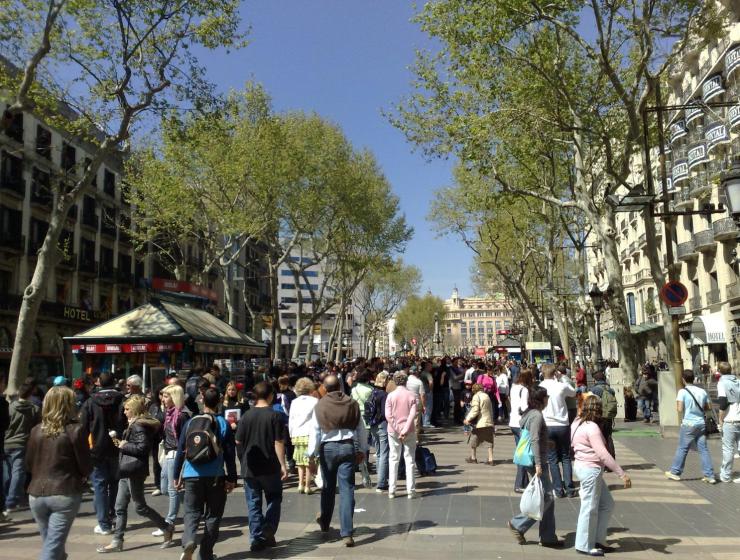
column 489, row 463
column 469, row 460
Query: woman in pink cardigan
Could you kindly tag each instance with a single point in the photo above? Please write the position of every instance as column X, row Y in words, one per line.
column 400, row 412
column 591, row 456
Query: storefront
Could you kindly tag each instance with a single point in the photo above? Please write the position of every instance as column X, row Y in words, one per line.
column 509, row 348
column 159, row 334
column 706, row 340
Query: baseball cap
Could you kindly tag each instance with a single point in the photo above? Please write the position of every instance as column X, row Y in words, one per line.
column 59, row 380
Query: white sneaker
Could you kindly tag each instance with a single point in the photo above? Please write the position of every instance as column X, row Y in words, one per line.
column 158, row 533
column 411, row 495
column 737, row 480
column 99, row 531
column 391, row 495
column 157, row 492
column 737, row 455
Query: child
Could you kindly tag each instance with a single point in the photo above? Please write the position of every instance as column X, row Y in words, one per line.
column 465, row 398
column 630, row 405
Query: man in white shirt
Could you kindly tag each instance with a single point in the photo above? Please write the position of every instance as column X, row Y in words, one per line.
column 416, row 386
column 558, row 431
column 728, row 394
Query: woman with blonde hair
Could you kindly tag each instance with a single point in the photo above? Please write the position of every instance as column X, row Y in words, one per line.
column 133, row 468
column 591, row 457
column 58, row 458
column 300, row 425
column 175, row 417
column 481, row 415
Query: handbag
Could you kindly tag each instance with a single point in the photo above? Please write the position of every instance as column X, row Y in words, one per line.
column 710, row 424
column 523, row 455
column 161, row 454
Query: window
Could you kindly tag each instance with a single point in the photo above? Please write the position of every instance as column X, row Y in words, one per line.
column 94, row 182
column 87, row 255
column 41, row 188
column 10, row 228
column 15, row 130
column 498, row 325
column 43, row 142
column 36, row 236
column 631, row 312
column 11, row 174
column 69, row 157
column 109, row 183
column 108, row 224
column 88, row 212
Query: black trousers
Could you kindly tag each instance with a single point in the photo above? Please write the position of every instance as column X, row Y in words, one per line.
column 206, row 497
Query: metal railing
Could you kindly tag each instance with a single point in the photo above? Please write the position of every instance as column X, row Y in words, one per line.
column 686, row 250
column 732, row 291
column 695, row 303
column 704, row 240
column 724, row 229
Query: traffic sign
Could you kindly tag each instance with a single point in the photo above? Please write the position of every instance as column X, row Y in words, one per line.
column 678, row 310
column 674, row 294
column 413, row 341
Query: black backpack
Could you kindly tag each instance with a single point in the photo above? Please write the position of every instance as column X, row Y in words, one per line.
column 202, row 444
column 374, row 415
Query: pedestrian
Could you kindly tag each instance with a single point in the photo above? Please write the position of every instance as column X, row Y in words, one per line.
column 175, row 418
column 456, row 376
column 644, row 388
column 4, row 422
column 480, row 414
column 591, row 457
column 375, row 416
column 691, row 402
column 487, row 380
column 400, row 413
column 300, row 424
column 156, row 411
column 534, row 422
column 581, row 379
column 502, row 382
column 609, row 408
column 260, row 440
column 427, row 394
column 338, row 440
column 102, row 415
column 519, row 397
column 134, row 385
column 558, row 431
column 728, row 393
column 24, row 415
column 205, row 448
column 135, row 448
column 59, row 460
column 234, row 400
column 361, row 391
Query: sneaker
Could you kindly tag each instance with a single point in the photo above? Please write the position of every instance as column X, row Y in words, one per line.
column 12, row 509
column 168, row 534
column 670, row 475
column 411, row 495
column 99, row 531
column 516, row 533
column 380, row 490
column 737, row 455
column 158, row 533
column 391, row 495
column 4, row 517
column 709, row 480
column 307, row 490
column 367, row 483
column 257, row 546
column 323, row 527
column 737, row 480
column 157, row 492
column 300, row 489
column 348, row 542
column 187, row 552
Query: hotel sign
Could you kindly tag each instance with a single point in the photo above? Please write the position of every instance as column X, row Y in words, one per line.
column 716, row 134
column 678, row 130
column 733, row 116
column 697, row 155
column 693, row 112
column 712, row 88
column 680, row 171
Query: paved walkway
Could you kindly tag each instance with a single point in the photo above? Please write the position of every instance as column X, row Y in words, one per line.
column 460, row 512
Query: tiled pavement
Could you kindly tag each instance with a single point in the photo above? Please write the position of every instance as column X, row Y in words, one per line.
column 460, row 512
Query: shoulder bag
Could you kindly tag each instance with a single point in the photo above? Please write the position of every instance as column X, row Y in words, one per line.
column 710, row 424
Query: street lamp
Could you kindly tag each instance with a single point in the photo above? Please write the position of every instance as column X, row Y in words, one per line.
column 289, row 331
column 731, row 186
column 437, row 338
column 597, row 299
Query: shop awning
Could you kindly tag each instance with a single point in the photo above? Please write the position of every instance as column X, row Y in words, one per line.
column 635, row 329
column 164, row 326
column 709, row 329
column 509, row 342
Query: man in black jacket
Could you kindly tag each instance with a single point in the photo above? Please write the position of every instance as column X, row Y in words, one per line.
column 4, row 423
column 102, row 416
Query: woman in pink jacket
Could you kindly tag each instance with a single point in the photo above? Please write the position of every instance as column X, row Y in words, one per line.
column 591, row 456
column 400, row 412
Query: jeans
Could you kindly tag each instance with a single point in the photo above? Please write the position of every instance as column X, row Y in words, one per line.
column 597, row 505
column 337, row 462
column 645, row 405
column 156, row 467
column 730, row 442
column 2, row 481
column 522, row 478
column 105, row 487
column 503, row 408
column 132, row 490
column 380, row 437
column 264, row 526
column 54, row 515
column 169, row 479
column 428, row 410
column 523, row 522
column 408, row 449
column 204, row 497
column 446, row 403
column 688, row 437
column 560, row 452
column 456, row 408
column 15, row 476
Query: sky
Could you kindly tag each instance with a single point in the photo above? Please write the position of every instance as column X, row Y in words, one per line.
column 347, row 60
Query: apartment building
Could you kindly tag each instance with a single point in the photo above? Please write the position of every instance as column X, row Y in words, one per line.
column 472, row 322
column 99, row 275
column 702, row 141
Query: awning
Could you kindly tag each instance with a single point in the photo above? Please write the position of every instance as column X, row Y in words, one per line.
column 538, row 346
column 161, row 326
column 634, row 329
column 709, row 329
column 509, row 342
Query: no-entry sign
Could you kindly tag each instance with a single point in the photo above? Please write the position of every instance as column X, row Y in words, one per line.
column 674, row 294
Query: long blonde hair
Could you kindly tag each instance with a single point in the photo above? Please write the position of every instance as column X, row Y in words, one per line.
column 58, row 410
column 137, row 405
column 177, row 395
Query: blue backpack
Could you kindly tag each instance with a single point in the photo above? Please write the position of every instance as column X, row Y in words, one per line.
column 523, row 455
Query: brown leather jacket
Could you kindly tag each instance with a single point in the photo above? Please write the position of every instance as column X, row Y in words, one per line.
column 58, row 465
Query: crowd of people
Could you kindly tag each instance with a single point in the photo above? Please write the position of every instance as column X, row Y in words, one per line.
column 319, row 422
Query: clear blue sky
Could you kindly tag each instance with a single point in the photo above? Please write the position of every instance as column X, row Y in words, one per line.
column 347, row 60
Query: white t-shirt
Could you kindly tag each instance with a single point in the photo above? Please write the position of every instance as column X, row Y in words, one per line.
column 502, row 381
column 469, row 374
column 518, row 398
column 416, row 386
column 556, row 411
column 729, row 387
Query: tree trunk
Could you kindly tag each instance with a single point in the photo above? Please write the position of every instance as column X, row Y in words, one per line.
column 275, row 331
column 228, row 300
column 33, row 295
column 340, row 330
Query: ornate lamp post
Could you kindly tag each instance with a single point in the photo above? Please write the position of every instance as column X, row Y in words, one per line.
column 597, row 299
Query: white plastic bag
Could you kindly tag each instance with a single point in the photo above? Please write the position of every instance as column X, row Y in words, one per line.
column 532, row 503
column 319, row 481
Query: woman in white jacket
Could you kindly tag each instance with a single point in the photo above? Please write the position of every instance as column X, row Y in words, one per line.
column 299, row 426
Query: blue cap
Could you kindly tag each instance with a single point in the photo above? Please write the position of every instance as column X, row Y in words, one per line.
column 60, row 380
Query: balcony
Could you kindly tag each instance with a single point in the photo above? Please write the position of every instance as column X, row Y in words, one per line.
column 725, row 229
column 628, row 279
column 695, row 303
column 699, row 186
column 86, row 266
column 106, row 272
column 634, row 249
column 642, row 275
column 713, row 297
column 732, row 291
column 642, row 240
column 704, row 241
column 687, row 251
column 684, row 200
column 624, row 255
